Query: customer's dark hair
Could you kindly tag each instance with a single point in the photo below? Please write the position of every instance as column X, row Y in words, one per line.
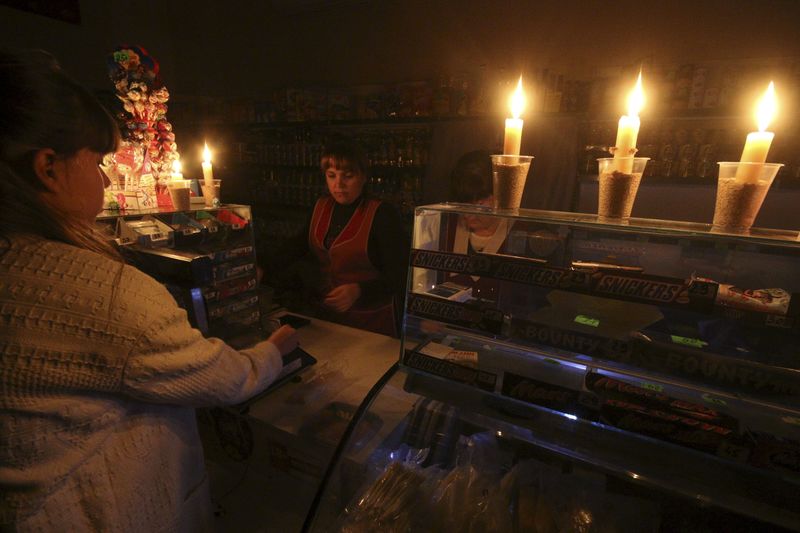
column 342, row 152
column 471, row 178
column 41, row 107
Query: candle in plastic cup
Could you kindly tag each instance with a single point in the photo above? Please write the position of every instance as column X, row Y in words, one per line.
column 739, row 200
column 617, row 188
column 509, row 173
column 179, row 194
column 211, row 192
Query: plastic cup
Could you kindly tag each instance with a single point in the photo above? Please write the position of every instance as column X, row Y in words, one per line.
column 741, row 190
column 509, row 173
column 211, row 192
column 619, row 179
column 179, row 193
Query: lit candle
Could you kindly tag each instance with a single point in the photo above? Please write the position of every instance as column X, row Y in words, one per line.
column 628, row 129
column 513, row 136
column 208, row 173
column 176, row 170
column 758, row 142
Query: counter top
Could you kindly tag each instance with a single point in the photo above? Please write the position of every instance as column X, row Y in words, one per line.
column 349, row 362
column 266, row 461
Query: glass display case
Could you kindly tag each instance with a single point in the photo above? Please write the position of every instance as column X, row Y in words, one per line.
column 205, row 256
column 562, row 374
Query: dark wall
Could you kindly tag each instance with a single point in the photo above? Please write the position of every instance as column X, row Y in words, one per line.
column 240, row 47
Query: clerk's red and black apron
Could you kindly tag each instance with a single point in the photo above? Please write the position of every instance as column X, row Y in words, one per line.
column 347, row 261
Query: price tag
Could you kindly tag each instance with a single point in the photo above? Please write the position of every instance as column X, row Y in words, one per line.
column 587, row 321
column 688, row 341
column 712, row 400
column 651, row 386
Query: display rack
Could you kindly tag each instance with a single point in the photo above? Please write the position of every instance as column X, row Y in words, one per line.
column 206, row 259
column 649, row 366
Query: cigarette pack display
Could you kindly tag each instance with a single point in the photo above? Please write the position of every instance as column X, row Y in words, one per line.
column 232, row 305
column 206, row 257
column 622, row 383
column 147, row 231
column 227, row 289
column 233, row 269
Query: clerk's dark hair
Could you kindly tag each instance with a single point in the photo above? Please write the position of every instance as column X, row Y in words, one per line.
column 41, row 107
column 343, row 152
column 471, row 178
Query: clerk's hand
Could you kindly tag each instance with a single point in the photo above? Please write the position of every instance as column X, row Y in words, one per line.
column 342, row 298
column 284, row 338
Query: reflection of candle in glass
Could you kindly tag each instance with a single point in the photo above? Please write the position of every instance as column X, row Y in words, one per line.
column 208, row 173
column 176, row 170
column 513, row 136
column 628, row 129
column 758, row 142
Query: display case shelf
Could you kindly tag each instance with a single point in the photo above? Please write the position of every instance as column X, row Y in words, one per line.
column 678, row 470
column 652, row 364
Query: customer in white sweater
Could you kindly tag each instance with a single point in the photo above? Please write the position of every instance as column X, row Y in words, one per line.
column 99, row 369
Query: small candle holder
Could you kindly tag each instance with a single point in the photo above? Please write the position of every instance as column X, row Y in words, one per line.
column 180, row 194
column 211, row 192
column 741, row 189
column 509, row 173
column 619, row 179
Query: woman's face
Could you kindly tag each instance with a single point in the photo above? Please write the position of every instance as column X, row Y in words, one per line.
column 481, row 225
column 344, row 184
column 82, row 184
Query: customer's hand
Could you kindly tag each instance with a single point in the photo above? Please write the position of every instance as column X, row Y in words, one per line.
column 284, row 338
column 342, row 298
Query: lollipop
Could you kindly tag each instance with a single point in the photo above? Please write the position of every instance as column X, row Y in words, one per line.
column 135, row 75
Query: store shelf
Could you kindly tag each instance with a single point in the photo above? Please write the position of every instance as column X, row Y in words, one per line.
column 640, row 460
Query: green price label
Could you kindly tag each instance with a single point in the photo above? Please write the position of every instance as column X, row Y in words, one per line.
column 711, row 399
column 651, row 386
column 688, row 341
column 587, row 321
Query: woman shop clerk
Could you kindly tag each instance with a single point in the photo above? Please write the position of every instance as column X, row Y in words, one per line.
column 99, row 369
column 357, row 248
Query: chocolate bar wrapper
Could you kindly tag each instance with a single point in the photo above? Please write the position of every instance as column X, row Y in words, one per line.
column 682, row 430
column 609, row 388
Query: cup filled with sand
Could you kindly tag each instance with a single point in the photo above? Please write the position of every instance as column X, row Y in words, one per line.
column 618, row 183
column 741, row 190
column 509, row 173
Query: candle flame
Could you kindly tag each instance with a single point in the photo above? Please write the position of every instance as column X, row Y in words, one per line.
column 636, row 98
column 206, row 154
column 176, row 166
column 766, row 107
column 517, row 101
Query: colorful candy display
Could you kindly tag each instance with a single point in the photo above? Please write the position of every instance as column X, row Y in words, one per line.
column 144, row 160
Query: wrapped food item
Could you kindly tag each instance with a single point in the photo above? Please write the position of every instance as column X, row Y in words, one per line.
column 774, row 300
column 387, row 504
column 609, row 388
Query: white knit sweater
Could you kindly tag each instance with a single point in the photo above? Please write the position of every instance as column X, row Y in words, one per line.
column 99, row 374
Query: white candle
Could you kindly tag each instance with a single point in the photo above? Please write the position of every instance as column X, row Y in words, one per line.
column 628, row 129
column 208, row 172
column 176, row 170
column 758, row 142
column 513, row 133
